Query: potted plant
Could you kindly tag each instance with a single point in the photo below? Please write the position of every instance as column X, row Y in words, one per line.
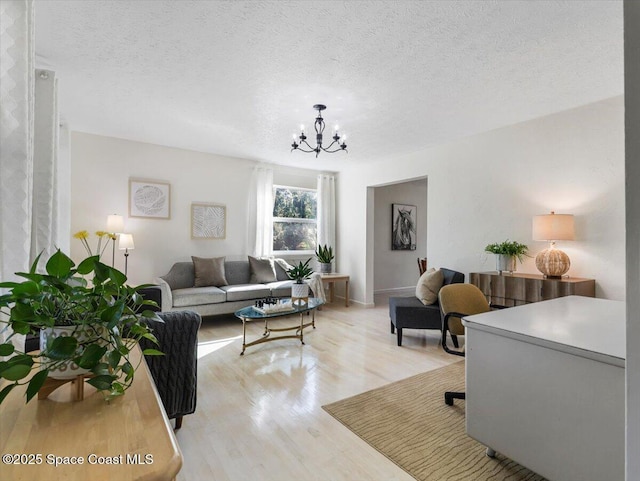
column 88, row 318
column 299, row 273
column 324, row 254
column 506, row 254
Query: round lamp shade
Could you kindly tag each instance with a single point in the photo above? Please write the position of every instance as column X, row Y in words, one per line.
column 115, row 223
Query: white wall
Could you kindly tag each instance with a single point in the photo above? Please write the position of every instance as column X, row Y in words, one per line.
column 632, row 139
column 394, row 270
column 488, row 187
column 100, row 172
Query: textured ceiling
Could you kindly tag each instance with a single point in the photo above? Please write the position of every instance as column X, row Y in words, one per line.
column 238, row 77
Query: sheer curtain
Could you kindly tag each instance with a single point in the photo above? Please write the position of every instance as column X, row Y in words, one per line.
column 327, row 210
column 263, row 186
column 29, row 170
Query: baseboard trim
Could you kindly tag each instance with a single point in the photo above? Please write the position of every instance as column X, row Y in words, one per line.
column 396, row 290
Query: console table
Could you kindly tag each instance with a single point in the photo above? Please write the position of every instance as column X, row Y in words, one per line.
column 517, row 289
column 127, row 438
column 545, row 386
column 331, row 279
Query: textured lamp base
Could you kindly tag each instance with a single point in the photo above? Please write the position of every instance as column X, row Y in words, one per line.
column 553, row 263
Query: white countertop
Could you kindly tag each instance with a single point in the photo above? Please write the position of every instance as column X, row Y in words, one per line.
column 584, row 326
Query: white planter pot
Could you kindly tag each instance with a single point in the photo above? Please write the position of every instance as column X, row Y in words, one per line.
column 69, row 369
column 505, row 263
column 299, row 291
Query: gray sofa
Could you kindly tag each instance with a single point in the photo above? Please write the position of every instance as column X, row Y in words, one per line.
column 179, row 293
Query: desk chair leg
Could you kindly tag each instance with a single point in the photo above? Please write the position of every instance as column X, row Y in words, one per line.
column 450, row 396
column 455, row 341
column 178, row 423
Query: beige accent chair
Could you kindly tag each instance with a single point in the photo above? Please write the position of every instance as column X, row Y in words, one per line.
column 456, row 302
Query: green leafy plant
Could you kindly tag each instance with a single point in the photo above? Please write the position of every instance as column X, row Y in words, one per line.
column 509, row 248
column 300, row 272
column 103, row 306
column 324, row 254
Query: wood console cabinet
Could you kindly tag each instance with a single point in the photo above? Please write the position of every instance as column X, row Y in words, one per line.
column 517, row 289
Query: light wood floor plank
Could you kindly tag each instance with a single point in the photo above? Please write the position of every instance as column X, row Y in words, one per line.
column 259, row 416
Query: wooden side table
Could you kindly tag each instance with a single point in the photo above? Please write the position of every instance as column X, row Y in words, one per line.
column 517, row 289
column 331, row 279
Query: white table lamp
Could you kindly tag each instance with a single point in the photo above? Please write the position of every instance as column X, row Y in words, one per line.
column 125, row 243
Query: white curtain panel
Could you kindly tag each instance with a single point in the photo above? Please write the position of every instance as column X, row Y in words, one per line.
column 16, row 137
column 44, row 215
column 327, row 210
column 263, row 181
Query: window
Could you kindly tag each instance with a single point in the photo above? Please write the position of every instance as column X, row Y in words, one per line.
column 294, row 219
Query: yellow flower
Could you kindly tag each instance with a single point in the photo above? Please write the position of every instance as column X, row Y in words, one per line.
column 83, row 235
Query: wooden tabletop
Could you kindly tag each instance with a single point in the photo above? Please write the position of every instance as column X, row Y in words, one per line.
column 132, row 430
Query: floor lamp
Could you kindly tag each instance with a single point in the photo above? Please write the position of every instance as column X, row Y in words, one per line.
column 125, row 242
column 115, row 225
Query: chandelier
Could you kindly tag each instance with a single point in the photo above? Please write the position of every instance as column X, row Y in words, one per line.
column 339, row 143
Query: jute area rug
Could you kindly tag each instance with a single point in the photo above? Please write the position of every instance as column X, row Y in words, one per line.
column 409, row 423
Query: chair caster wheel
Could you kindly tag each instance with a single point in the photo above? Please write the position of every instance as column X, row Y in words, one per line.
column 491, row 453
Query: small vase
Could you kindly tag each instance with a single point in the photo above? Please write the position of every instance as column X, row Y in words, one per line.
column 505, row 263
column 68, row 369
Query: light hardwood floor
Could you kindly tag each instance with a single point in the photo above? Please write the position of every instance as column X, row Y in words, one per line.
column 259, row 416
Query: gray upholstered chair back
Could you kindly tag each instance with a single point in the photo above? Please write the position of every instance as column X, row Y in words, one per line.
column 451, row 277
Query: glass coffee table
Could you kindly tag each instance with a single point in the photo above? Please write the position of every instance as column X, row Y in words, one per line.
column 248, row 314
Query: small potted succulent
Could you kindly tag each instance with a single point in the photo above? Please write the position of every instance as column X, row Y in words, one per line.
column 324, row 254
column 88, row 319
column 299, row 273
column 506, row 254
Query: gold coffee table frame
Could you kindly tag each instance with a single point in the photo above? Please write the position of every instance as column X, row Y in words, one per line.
column 248, row 314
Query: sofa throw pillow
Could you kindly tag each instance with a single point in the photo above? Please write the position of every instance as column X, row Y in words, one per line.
column 209, row 271
column 429, row 285
column 262, row 271
column 282, row 267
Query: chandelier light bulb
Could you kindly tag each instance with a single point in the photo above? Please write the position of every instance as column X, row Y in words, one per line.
column 301, row 127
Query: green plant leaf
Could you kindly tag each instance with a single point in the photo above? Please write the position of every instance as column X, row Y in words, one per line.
column 36, row 383
column 114, row 358
column 152, row 352
column 59, row 265
column 127, row 368
column 116, row 276
column 62, row 347
column 111, row 315
column 102, row 383
column 16, row 372
column 86, row 266
column 151, row 337
column 26, row 288
column 5, row 391
column 6, row 349
column 22, row 312
column 101, row 369
column 91, row 355
column 20, row 327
